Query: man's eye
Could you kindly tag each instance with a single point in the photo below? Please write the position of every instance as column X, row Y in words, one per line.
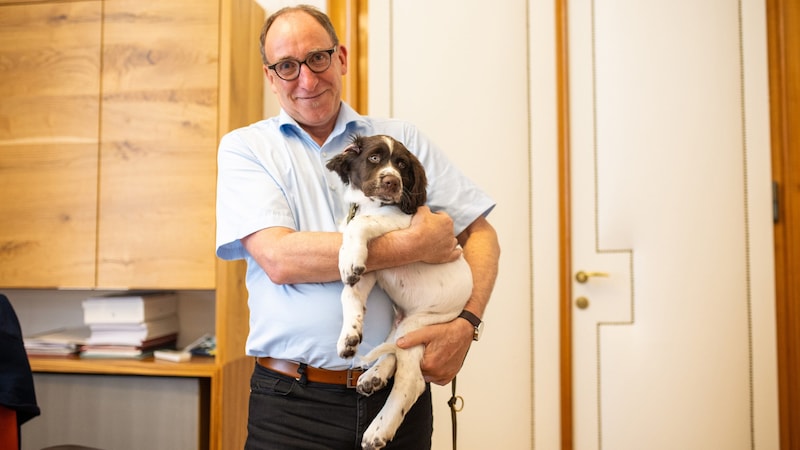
column 286, row 66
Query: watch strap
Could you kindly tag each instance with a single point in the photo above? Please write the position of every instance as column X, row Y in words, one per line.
column 471, row 318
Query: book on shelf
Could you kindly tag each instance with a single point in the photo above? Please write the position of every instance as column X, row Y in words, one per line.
column 130, row 307
column 59, row 342
column 143, row 350
column 133, row 334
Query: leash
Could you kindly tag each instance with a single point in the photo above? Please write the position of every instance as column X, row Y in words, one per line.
column 456, row 404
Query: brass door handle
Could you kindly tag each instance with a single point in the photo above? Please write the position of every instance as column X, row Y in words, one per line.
column 583, row 277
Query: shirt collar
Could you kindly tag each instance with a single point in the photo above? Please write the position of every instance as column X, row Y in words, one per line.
column 345, row 121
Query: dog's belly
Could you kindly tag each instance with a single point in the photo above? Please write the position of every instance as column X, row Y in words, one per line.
column 429, row 288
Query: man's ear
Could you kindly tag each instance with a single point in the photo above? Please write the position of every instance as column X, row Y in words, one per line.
column 342, row 51
column 271, row 78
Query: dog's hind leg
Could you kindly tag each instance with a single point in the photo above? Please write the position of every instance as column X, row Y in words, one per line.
column 377, row 377
column 408, row 386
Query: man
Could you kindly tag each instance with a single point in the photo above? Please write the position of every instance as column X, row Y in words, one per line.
column 279, row 208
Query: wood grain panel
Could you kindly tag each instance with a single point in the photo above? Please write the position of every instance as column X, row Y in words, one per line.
column 49, row 86
column 158, row 144
column 784, row 47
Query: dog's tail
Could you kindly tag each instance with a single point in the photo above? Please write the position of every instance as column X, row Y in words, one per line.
column 377, row 352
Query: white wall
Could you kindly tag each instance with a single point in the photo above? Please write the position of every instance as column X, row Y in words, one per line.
column 545, row 432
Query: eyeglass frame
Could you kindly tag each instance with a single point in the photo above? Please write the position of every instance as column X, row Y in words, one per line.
column 329, row 51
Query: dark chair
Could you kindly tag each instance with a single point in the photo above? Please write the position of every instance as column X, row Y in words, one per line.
column 70, row 447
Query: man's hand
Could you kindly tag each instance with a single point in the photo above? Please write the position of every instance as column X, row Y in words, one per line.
column 446, row 347
column 433, row 232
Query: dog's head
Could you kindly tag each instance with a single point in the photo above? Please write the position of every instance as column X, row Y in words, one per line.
column 384, row 170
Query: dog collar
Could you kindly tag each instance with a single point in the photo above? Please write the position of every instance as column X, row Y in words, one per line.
column 353, row 211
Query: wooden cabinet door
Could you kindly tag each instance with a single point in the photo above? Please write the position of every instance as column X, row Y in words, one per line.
column 158, row 144
column 49, row 102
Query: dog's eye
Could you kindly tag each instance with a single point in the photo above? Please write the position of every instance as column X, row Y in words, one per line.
column 402, row 164
column 375, row 159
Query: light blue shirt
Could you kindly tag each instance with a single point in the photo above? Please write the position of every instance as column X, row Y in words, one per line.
column 273, row 174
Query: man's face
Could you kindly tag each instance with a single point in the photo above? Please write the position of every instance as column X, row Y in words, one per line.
column 313, row 98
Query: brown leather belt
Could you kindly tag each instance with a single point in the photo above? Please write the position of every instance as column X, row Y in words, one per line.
column 348, row 378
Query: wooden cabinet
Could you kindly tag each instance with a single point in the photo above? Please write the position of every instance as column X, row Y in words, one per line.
column 158, row 141
column 109, row 124
column 50, row 63
column 110, row 116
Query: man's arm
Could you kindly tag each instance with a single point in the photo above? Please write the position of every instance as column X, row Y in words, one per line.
column 446, row 345
column 289, row 256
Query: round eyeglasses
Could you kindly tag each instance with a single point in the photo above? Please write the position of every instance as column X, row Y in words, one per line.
column 317, row 62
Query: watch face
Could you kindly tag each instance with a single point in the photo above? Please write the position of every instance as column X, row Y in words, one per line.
column 478, row 332
column 475, row 321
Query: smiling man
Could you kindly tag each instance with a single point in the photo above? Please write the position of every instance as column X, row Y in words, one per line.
column 279, row 208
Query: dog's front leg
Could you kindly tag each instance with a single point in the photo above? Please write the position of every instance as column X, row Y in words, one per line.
column 355, row 237
column 353, row 252
column 354, row 305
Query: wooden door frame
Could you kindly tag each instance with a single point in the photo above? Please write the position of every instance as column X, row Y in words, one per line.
column 350, row 19
column 784, row 77
column 565, row 225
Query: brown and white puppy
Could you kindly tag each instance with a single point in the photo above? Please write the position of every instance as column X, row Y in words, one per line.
column 385, row 184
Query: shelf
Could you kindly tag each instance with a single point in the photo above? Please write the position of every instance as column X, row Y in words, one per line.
column 203, row 367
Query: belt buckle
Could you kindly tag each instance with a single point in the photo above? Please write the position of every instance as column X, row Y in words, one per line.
column 352, row 382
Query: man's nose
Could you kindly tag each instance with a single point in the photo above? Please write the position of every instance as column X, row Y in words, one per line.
column 307, row 77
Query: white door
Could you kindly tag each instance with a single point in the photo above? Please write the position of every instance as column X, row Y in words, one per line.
column 665, row 354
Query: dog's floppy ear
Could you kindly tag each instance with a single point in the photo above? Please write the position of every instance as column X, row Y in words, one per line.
column 356, row 144
column 341, row 163
column 415, row 187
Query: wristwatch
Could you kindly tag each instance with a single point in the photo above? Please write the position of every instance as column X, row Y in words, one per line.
column 475, row 321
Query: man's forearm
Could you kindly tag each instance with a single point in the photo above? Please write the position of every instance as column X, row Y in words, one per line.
column 482, row 252
column 290, row 257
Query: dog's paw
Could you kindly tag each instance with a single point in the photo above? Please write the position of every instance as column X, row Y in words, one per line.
column 348, row 342
column 373, row 444
column 379, row 432
column 352, row 263
column 371, row 381
column 352, row 274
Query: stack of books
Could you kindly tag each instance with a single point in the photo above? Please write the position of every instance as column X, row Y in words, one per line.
column 59, row 342
column 131, row 325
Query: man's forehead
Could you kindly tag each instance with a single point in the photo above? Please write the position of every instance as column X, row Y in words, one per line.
column 295, row 34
